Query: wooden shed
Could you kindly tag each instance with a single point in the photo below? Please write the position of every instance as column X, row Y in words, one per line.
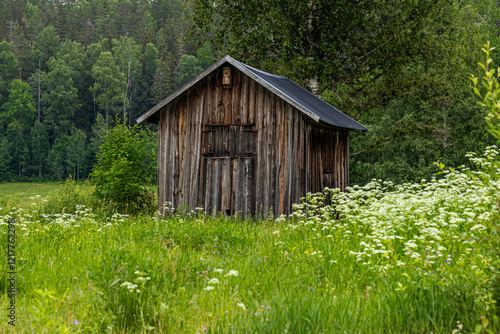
column 242, row 141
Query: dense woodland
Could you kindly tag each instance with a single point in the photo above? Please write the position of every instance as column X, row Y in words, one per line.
column 69, row 70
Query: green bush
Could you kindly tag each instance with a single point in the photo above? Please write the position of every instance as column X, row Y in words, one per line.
column 68, row 198
column 490, row 100
column 126, row 166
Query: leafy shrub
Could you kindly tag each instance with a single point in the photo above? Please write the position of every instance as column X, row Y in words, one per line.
column 126, row 165
column 69, row 197
column 490, row 100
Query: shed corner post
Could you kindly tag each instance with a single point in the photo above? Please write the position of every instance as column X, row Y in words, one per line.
column 347, row 160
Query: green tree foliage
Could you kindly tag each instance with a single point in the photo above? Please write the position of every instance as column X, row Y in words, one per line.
column 76, row 150
column 125, row 167
column 19, row 110
column 490, row 99
column 489, row 96
column 40, row 147
column 47, row 43
column 99, row 131
column 16, row 118
column 60, row 97
column 352, row 50
column 205, row 56
column 108, row 85
column 440, row 121
column 189, row 67
column 5, row 159
column 73, row 54
column 144, row 90
column 19, row 38
column 56, row 158
column 127, row 57
column 407, row 138
column 55, row 47
column 8, row 66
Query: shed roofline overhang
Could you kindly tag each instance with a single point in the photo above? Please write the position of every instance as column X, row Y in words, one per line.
column 247, row 70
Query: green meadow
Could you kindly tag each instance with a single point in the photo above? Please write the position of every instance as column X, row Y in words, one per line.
column 383, row 258
column 19, row 193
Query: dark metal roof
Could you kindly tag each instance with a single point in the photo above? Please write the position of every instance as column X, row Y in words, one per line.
column 299, row 97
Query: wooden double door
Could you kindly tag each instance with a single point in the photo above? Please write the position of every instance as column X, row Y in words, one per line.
column 229, row 153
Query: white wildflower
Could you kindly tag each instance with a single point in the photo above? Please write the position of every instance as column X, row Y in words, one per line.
column 232, row 273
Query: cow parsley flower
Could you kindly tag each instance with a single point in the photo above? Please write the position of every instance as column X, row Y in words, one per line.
column 232, row 273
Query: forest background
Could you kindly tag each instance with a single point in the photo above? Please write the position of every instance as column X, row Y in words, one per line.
column 70, row 69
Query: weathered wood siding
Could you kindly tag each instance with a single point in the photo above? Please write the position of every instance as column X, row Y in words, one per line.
column 243, row 150
column 327, row 158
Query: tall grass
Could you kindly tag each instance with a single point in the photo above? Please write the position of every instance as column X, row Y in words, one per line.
column 384, row 259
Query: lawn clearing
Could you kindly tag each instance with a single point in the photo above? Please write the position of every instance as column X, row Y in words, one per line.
column 20, row 192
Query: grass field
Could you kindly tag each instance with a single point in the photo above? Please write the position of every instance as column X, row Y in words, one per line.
column 20, row 192
column 411, row 258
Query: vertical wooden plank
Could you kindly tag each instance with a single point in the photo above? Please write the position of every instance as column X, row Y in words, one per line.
column 244, row 187
column 338, row 143
column 287, row 153
column 342, row 148
column 228, row 110
column 219, row 174
column 205, row 118
column 301, row 154
column 165, row 167
column 195, row 141
column 161, row 169
column 220, row 97
column 252, row 103
column 294, row 157
column 223, row 186
column 306, row 158
column 274, row 133
column 187, row 144
column 243, row 98
column 336, row 161
column 260, row 143
column 236, row 97
column 251, row 187
column 227, row 185
column 176, row 141
column 209, row 116
column 247, row 195
column 171, row 117
column 196, row 156
column 234, row 192
column 346, row 153
column 292, row 137
column 238, row 186
column 319, row 143
column 181, row 123
column 209, row 190
column 267, row 153
column 281, row 155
